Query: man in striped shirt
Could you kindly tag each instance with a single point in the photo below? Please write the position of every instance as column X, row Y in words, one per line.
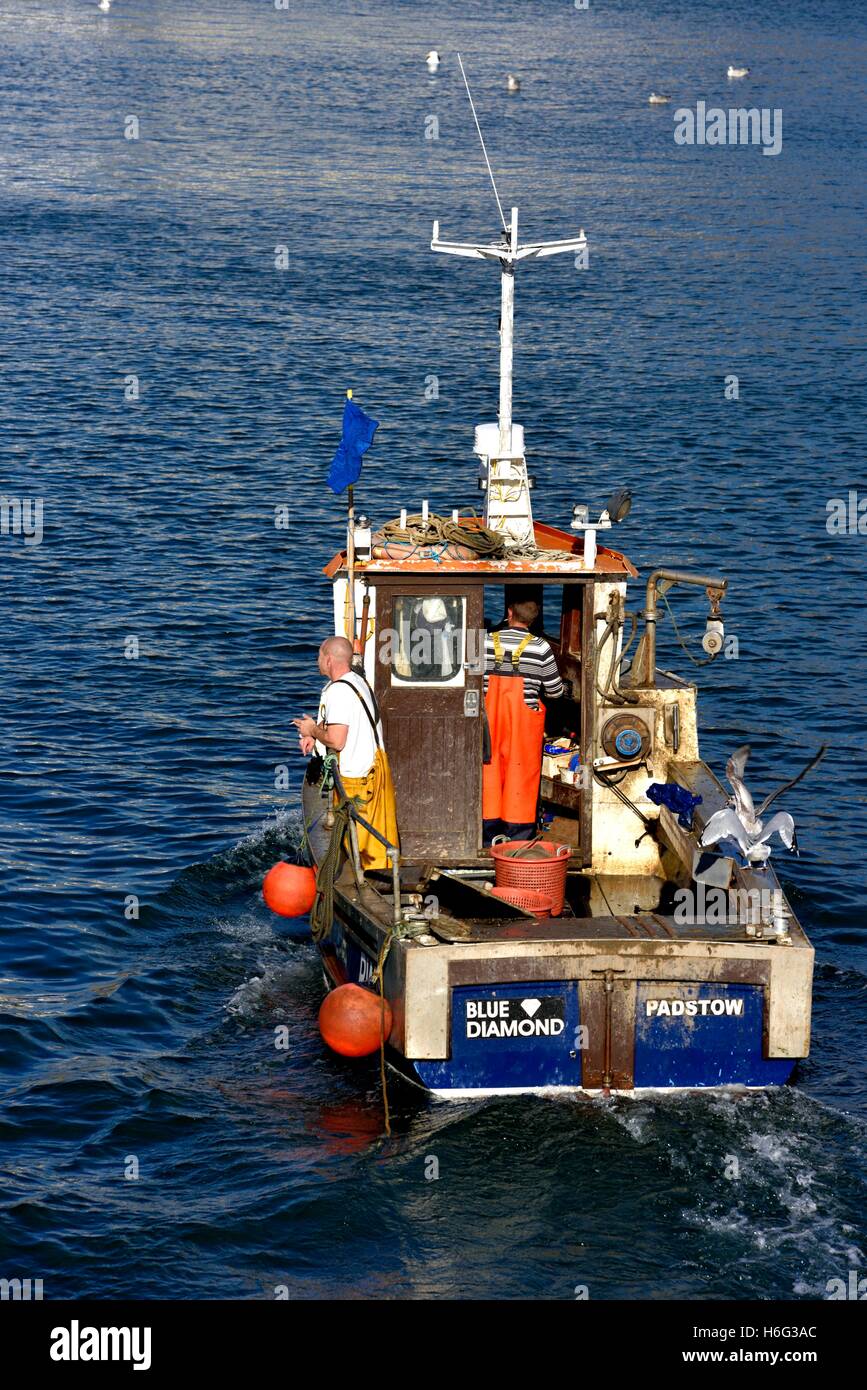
column 520, row 669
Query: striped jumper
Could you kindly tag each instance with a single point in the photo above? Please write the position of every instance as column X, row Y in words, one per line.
column 537, row 663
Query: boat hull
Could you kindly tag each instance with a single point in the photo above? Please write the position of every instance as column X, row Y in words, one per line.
column 632, row 1001
column 575, row 1032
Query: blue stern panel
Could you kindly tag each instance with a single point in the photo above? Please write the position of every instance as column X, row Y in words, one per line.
column 510, row 1036
column 703, row 1035
column 527, row 1036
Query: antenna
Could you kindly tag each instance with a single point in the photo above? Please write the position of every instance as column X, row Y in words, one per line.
column 482, row 139
column 507, row 253
column 507, row 486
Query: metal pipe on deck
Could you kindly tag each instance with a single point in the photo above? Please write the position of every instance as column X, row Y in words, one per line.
column 643, row 673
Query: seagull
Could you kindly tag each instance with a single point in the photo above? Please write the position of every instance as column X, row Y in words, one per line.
column 512, row 83
column 656, row 99
column 433, row 60
column 737, row 72
column 741, row 822
column 727, row 825
column 104, row 5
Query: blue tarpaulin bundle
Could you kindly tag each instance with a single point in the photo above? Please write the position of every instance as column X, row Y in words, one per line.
column 358, row 432
column 676, row 798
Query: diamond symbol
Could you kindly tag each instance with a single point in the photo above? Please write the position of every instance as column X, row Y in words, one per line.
column 531, row 1006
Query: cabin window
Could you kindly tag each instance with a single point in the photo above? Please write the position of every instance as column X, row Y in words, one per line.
column 430, row 640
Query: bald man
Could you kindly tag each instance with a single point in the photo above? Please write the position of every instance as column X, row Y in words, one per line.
column 348, row 724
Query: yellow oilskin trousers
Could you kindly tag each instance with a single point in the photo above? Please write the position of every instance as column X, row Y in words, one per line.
column 374, row 797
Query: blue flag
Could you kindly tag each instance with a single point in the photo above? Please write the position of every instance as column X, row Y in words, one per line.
column 358, row 432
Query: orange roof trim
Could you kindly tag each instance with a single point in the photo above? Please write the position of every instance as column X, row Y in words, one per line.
column 608, row 562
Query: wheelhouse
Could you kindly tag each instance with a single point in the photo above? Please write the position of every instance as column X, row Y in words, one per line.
column 421, row 627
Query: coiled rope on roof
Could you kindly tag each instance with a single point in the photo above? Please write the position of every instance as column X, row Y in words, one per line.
column 436, row 530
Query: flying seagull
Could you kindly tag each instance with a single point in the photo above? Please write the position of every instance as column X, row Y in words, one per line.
column 741, row 822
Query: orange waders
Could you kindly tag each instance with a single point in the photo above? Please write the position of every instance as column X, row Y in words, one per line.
column 510, row 781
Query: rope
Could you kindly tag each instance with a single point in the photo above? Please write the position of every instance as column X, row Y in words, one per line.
column 529, row 550
column 696, row 661
column 650, row 826
column 442, row 530
column 485, row 542
column 608, row 632
column 407, row 930
column 612, row 691
column 380, row 969
column 322, row 911
column 484, row 151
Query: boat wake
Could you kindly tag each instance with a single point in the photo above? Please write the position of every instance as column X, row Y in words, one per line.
column 762, row 1174
column 243, row 865
column 273, row 992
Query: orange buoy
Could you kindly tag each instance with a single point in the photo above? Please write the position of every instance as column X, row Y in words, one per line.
column 352, row 1020
column 289, row 889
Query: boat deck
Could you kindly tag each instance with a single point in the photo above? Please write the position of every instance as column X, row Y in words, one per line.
column 598, row 907
column 644, row 927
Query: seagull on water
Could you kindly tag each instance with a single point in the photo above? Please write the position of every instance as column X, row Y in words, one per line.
column 656, row 99
column 104, row 5
column 512, row 83
column 741, row 822
column 433, row 60
column 737, row 72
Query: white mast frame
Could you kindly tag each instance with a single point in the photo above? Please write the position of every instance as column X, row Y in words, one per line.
column 508, row 253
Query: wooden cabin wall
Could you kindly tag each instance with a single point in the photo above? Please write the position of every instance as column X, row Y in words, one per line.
column 434, row 746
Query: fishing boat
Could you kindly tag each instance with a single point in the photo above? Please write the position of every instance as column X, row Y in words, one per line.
column 676, row 960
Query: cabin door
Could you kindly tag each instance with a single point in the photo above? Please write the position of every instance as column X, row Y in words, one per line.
column 429, row 684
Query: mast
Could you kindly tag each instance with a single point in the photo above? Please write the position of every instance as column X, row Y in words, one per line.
column 507, row 487
column 507, row 338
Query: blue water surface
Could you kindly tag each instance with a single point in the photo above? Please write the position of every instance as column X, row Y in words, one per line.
column 166, row 386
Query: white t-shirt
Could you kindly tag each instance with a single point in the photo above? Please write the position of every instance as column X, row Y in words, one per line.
column 340, row 705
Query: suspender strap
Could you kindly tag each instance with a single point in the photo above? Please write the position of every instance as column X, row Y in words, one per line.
column 373, row 718
column 515, row 655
